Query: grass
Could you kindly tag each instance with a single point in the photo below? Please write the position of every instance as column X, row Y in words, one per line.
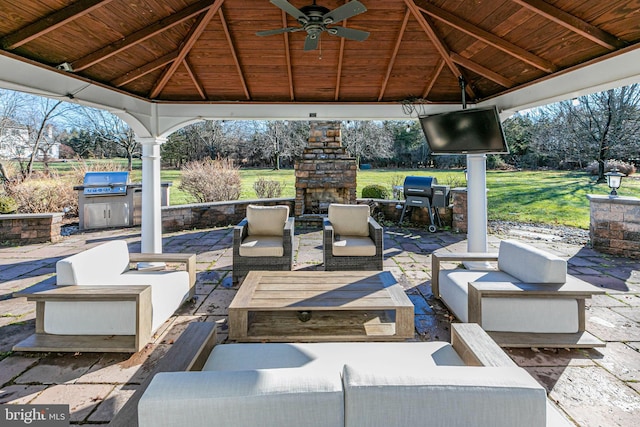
column 545, row 197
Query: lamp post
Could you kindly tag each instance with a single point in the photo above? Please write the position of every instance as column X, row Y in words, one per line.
column 614, row 178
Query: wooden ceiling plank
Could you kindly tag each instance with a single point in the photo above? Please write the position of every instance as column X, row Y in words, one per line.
column 483, row 71
column 438, row 43
column 434, row 77
column 187, row 44
column 144, row 70
column 488, row 38
column 234, row 55
column 392, row 60
column 140, row 36
column 287, row 55
column 194, row 79
column 573, row 23
column 336, row 95
column 50, row 23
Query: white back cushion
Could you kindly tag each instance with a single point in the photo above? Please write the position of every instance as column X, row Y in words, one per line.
column 349, row 220
column 529, row 264
column 266, row 220
column 97, row 265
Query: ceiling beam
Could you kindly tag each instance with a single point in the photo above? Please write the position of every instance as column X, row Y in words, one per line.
column 483, row 71
column 573, row 23
column 434, row 77
column 234, row 54
column 194, row 79
column 50, row 23
column 438, row 43
column 336, row 95
column 140, row 36
column 287, row 57
column 487, row 37
column 144, row 70
column 392, row 60
column 187, row 44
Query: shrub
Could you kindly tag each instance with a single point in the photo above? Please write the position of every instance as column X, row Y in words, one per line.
column 609, row 165
column 42, row 195
column 375, row 192
column 7, row 205
column 211, row 180
column 267, row 189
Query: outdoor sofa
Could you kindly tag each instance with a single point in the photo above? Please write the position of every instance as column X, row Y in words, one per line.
column 100, row 304
column 470, row 382
column 528, row 300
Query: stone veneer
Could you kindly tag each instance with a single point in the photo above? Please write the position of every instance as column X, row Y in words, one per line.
column 326, row 173
column 26, row 229
column 459, row 215
column 614, row 226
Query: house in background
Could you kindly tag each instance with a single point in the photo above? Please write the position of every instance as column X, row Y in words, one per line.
column 15, row 142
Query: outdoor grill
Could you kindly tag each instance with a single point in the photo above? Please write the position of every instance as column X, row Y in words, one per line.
column 423, row 192
column 105, row 199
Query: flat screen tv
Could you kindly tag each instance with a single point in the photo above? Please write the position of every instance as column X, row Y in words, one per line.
column 469, row 131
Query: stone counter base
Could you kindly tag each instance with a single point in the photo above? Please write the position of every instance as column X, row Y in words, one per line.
column 30, row 228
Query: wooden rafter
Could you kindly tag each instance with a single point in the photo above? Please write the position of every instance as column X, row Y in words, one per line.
column 232, row 48
column 336, row 95
column 140, row 36
column 50, row 23
column 287, row 55
column 573, row 23
column 145, row 69
column 483, row 71
column 194, row 79
column 392, row 60
column 438, row 43
column 487, row 37
column 434, row 77
column 187, row 44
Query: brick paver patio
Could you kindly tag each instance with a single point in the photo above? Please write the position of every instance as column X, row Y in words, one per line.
column 594, row 388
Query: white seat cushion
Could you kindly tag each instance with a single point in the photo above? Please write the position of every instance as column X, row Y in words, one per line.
column 94, row 266
column 266, row 220
column 529, row 264
column 404, row 395
column 353, row 246
column 262, row 246
column 349, row 220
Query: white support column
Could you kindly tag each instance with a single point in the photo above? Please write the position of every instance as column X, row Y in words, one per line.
column 151, row 198
column 476, row 203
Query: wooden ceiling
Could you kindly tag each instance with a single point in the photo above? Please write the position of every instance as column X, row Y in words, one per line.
column 207, row 50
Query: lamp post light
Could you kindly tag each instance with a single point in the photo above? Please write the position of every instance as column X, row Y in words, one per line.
column 614, row 178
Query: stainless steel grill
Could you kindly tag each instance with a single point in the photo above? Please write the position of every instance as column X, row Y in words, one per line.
column 105, row 199
column 423, row 192
column 105, row 183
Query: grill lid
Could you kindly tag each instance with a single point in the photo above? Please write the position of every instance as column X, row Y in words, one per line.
column 419, row 186
column 105, row 183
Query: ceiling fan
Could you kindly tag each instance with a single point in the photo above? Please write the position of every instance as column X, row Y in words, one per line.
column 315, row 19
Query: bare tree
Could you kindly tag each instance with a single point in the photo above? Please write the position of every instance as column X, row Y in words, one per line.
column 277, row 139
column 369, row 139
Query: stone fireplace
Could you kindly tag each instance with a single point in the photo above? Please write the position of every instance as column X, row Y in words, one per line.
column 325, row 174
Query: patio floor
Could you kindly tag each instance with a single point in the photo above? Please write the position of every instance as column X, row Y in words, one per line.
column 594, row 388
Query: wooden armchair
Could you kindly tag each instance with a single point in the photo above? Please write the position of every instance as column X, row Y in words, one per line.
column 352, row 239
column 263, row 240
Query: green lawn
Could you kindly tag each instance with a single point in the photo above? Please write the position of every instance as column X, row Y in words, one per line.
column 549, row 197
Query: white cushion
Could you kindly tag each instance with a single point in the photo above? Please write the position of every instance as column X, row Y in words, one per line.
column 266, row 398
column 169, row 289
column 266, row 220
column 353, row 246
column 536, row 315
column 328, row 356
column 262, row 246
column 349, row 220
column 529, row 264
column 94, row 266
column 401, row 395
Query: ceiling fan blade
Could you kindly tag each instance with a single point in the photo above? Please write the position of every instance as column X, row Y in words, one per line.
column 345, row 11
column 290, row 9
column 349, row 33
column 311, row 42
column 278, row 31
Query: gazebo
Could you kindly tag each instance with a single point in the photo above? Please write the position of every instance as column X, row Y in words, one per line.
column 160, row 65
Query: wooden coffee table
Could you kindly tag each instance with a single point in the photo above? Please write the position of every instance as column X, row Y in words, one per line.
column 320, row 306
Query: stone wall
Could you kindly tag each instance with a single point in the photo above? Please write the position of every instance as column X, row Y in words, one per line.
column 30, row 228
column 459, row 214
column 614, row 226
